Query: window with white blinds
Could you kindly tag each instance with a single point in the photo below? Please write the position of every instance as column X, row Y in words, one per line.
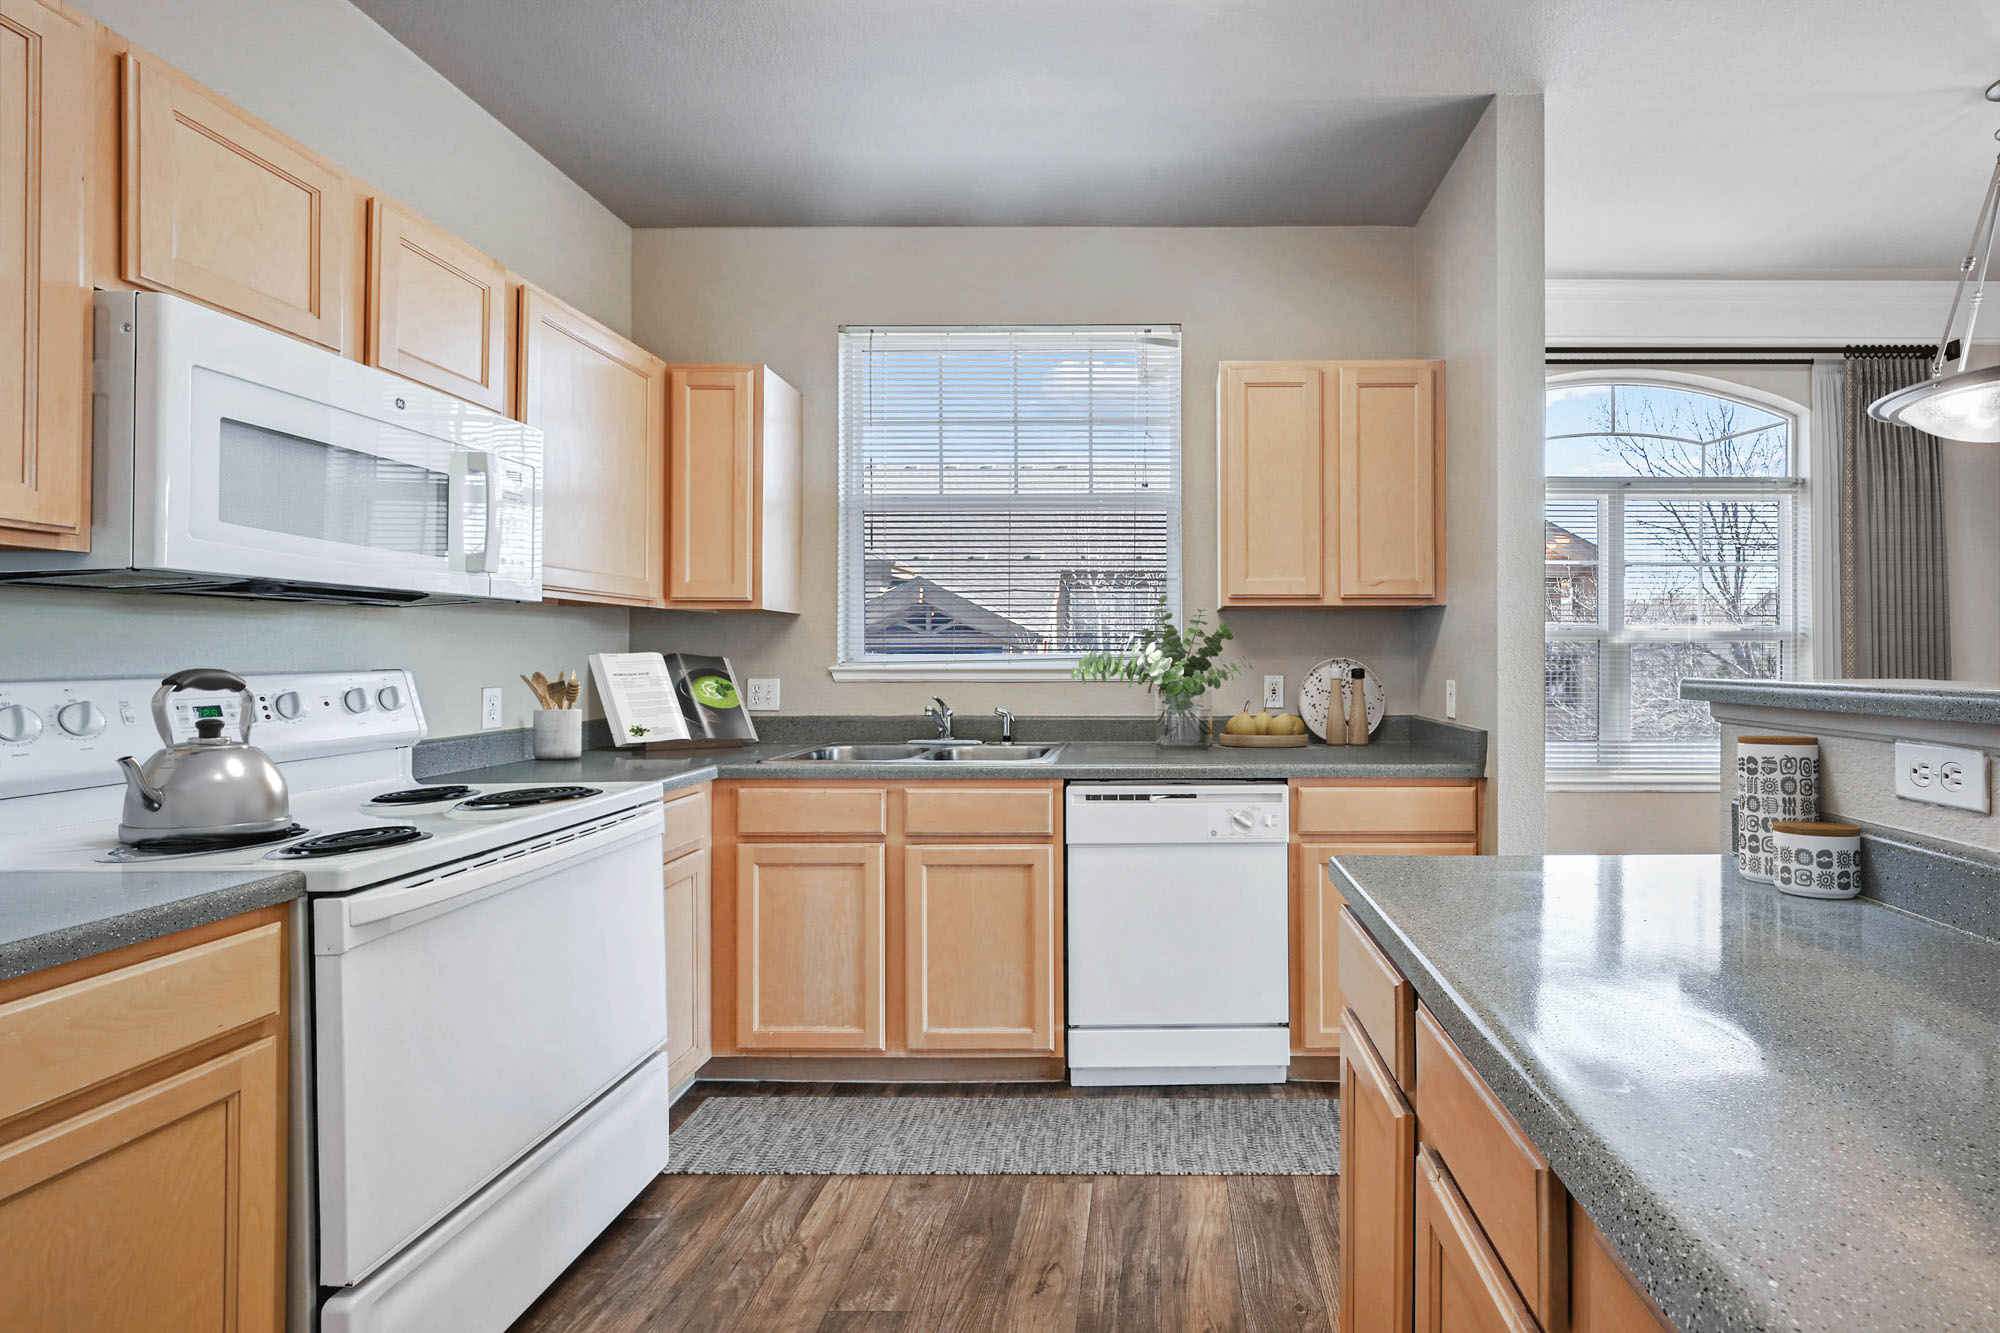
column 1675, row 541
column 1010, row 497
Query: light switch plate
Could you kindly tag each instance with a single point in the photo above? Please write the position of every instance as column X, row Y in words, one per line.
column 1451, row 698
column 1942, row 775
column 492, row 699
column 1274, row 691
column 760, row 694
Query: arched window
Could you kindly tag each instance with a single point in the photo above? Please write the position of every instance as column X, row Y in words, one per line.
column 1674, row 545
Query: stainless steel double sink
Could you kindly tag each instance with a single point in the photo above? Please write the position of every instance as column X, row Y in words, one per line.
column 922, row 752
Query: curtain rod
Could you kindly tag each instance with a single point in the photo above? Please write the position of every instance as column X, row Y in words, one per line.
column 1741, row 356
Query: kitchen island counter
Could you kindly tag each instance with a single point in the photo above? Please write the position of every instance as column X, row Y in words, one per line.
column 1781, row 1112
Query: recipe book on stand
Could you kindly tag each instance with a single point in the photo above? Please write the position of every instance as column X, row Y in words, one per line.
column 671, row 703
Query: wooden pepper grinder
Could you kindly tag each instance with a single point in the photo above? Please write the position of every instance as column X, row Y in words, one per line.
column 1357, row 707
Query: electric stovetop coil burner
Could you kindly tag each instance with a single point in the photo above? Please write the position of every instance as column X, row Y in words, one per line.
column 350, row 840
column 507, row 800
column 423, row 795
column 198, row 844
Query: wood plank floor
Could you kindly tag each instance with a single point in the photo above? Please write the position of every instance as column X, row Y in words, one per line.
column 986, row 1254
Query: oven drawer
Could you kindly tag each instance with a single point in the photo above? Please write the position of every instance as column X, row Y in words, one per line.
column 460, row 1018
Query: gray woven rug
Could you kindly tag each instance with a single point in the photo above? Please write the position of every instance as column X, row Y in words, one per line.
column 1008, row 1136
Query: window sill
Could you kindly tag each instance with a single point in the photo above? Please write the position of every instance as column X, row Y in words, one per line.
column 1634, row 782
column 955, row 669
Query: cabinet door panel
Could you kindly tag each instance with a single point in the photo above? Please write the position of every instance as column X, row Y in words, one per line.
column 1461, row 1285
column 162, row 1209
column 981, row 962
column 687, row 888
column 1273, row 456
column 1378, row 1144
column 712, row 516
column 1603, row 1298
column 809, row 947
column 45, row 100
column 1316, row 959
column 437, row 310
column 220, row 208
column 600, row 402
column 1387, row 445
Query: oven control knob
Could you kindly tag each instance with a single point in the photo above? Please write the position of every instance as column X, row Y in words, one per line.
column 288, row 704
column 81, row 719
column 1243, row 819
column 390, row 698
column 355, row 701
column 19, row 725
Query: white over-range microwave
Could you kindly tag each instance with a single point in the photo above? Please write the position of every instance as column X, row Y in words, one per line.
column 231, row 460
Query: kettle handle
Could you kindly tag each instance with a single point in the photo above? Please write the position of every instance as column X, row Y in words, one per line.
column 202, row 678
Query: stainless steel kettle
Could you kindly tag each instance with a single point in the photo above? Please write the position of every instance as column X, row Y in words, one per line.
column 210, row 785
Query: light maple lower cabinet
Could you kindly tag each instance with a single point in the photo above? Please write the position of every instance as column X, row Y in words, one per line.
column 220, row 207
column 599, row 400
column 142, row 1137
column 45, row 118
column 438, row 310
column 1461, row 1286
column 982, row 927
column 734, row 452
column 1378, row 1144
column 1330, row 482
column 688, row 944
column 810, row 947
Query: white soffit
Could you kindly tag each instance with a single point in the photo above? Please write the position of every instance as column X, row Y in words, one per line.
column 1651, row 312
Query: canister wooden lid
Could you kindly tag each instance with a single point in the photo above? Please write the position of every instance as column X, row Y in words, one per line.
column 1814, row 829
column 1777, row 740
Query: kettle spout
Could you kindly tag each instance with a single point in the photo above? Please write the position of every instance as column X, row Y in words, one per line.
column 148, row 794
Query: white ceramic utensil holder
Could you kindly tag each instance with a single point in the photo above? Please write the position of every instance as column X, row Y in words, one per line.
column 1818, row 860
column 1777, row 778
column 558, row 733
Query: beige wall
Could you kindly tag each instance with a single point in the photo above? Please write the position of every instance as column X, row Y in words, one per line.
column 1605, row 823
column 324, row 73
column 329, row 76
column 1479, row 271
column 1972, row 549
column 779, row 295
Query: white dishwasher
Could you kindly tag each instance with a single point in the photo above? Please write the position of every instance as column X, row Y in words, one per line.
column 1178, row 947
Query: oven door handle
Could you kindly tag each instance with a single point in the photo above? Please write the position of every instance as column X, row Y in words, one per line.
column 340, row 924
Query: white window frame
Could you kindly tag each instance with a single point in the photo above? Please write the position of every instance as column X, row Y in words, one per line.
column 1798, row 642
column 851, row 601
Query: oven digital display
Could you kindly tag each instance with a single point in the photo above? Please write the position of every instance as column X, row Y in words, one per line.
column 207, row 710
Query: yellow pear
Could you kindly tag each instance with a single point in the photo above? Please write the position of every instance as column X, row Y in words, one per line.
column 1284, row 724
column 1260, row 722
column 1241, row 724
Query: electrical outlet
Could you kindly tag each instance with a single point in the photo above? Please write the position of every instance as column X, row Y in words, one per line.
column 492, row 700
column 1451, row 698
column 761, row 694
column 1942, row 775
column 1274, row 691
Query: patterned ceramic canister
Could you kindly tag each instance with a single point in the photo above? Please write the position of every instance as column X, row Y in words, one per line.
column 1817, row 860
column 1777, row 778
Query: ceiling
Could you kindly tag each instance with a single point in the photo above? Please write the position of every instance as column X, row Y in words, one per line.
column 1699, row 138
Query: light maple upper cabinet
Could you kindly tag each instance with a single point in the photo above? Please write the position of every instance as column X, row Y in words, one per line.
column 734, row 454
column 982, row 961
column 45, row 117
column 142, row 1137
column 809, row 947
column 221, row 208
column 1331, row 483
column 437, row 309
column 1272, row 467
column 599, row 400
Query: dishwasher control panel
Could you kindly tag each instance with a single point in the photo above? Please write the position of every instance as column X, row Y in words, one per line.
column 1150, row 814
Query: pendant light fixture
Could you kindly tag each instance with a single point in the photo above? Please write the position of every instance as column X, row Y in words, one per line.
column 1964, row 405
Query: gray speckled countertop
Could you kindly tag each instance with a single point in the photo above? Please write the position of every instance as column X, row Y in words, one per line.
column 1931, row 700
column 1782, row 1112
column 49, row 917
column 1128, row 760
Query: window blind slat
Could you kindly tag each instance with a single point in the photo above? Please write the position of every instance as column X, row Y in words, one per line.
column 1006, row 492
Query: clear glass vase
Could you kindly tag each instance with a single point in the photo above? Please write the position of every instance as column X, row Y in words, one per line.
column 1183, row 723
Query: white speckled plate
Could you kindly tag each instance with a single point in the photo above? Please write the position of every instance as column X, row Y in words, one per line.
column 1325, row 689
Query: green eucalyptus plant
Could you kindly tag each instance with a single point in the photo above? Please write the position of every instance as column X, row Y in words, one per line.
column 1179, row 663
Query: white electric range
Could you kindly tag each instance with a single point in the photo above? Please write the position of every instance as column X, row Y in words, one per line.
column 479, row 989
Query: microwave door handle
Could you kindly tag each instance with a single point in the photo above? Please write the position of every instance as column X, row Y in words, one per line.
column 481, row 461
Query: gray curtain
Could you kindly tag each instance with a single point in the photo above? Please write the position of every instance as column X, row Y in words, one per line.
column 1895, row 621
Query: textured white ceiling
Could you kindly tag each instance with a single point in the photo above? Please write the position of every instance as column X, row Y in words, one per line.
column 1715, row 138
